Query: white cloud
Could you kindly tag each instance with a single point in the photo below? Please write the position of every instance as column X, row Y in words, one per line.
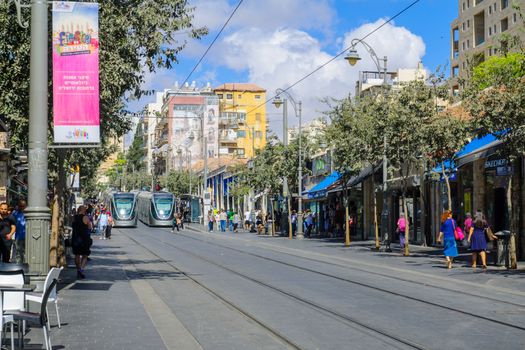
column 267, row 15
column 279, row 58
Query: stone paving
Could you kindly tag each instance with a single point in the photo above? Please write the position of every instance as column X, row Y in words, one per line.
column 107, row 310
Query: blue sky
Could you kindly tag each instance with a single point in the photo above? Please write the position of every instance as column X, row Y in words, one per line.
column 274, row 43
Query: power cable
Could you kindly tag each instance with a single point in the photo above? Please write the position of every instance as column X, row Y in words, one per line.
column 210, row 46
column 337, row 56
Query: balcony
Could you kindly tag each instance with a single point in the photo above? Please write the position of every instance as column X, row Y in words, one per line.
column 228, row 136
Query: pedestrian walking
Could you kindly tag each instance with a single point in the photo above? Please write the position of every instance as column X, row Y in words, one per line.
column 309, row 223
column 211, row 220
column 293, row 218
column 7, row 230
column 236, row 220
column 110, row 225
column 259, row 224
column 477, row 238
column 102, row 223
column 223, row 217
column 231, row 213
column 448, row 226
column 20, row 234
column 401, row 227
column 247, row 222
column 81, row 240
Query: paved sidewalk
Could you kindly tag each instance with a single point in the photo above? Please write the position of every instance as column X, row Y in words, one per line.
column 101, row 312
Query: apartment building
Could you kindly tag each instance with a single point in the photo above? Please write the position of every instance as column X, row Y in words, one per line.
column 188, row 120
column 474, row 34
column 242, row 119
column 151, row 114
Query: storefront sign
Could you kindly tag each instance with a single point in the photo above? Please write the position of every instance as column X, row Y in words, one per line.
column 503, row 171
column 495, row 163
column 75, row 72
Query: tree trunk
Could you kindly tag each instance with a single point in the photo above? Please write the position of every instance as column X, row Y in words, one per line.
column 54, row 242
column 449, row 195
column 347, row 223
column 422, row 205
column 513, row 218
column 376, row 227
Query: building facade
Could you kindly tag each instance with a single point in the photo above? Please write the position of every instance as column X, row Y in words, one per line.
column 151, row 115
column 188, row 125
column 242, row 119
column 475, row 33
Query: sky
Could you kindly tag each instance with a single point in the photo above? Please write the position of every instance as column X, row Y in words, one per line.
column 274, row 43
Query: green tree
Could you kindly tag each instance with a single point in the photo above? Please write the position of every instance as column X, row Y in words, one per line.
column 356, row 140
column 135, row 153
column 135, row 41
column 495, row 99
column 178, row 182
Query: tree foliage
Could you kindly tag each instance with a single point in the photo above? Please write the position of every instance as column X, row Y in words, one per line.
column 135, row 153
column 136, row 39
column 178, row 182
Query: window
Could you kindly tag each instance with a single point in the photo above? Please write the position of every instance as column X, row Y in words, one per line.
column 229, row 96
column 468, row 3
column 490, row 31
column 515, row 18
column 239, row 96
column 468, row 44
column 221, row 96
column 504, row 24
column 241, row 133
column 463, row 6
column 257, row 117
column 490, row 9
column 495, row 29
column 468, row 23
column 240, row 151
column 463, row 26
column 257, row 97
column 504, row 4
column 463, row 46
column 477, row 2
column 495, row 7
column 258, row 134
column 455, row 71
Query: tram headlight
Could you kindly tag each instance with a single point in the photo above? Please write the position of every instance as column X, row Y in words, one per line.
column 122, row 211
column 161, row 212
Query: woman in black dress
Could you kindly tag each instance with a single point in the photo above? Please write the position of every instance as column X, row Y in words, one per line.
column 81, row 240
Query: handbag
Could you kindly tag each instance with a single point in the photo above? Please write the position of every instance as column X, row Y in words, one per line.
column 458, row 233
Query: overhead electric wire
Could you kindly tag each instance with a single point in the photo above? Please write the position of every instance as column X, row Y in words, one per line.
column 337, row 56
column 211, row 44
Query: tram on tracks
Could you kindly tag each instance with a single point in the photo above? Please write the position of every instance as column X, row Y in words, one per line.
column 156, row 208
column 123, row 208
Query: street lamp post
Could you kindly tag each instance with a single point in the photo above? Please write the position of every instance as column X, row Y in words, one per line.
column 38, row 214
column 352, row 58
column 297, row 106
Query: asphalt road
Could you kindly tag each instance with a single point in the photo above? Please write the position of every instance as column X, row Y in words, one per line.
column 240, row 291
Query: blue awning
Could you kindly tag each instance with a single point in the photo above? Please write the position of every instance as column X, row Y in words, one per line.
column 477, row 148
column 319, row 190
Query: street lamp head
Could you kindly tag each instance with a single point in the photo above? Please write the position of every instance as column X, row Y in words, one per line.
column 352, row 57
column 179, row 151
column 191, row 137
column 277, row 101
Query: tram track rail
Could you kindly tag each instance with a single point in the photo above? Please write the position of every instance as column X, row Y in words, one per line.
column 386, row 337
column 352, row 268
column 376, row 288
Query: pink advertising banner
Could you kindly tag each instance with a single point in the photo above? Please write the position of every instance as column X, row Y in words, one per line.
column 76, row 111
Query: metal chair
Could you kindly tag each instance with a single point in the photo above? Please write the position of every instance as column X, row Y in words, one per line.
column 41, row 318
column 5, row 319
column 38, row 297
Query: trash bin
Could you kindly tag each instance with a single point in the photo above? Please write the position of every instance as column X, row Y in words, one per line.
column 503, row 251
column 269, row 227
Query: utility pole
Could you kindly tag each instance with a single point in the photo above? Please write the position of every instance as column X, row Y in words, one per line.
column 285, row 180
column 38, row 214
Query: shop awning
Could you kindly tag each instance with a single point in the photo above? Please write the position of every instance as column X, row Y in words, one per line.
column 481, row 147
column 478, row 148
column 319, row 190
